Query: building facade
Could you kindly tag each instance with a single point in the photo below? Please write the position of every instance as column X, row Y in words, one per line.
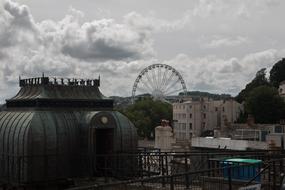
column 192, row 118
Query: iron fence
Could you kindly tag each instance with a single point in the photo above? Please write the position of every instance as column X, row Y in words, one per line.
column 149, row 167
column 220, row 178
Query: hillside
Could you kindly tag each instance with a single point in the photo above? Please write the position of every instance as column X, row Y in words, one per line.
column 197, row 94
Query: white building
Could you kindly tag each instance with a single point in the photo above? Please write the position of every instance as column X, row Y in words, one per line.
column 230, row 111
column 227, row 143
column 191, row 118
column 282, row 89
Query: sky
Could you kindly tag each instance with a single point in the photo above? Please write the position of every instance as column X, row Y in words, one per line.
column 216, row 45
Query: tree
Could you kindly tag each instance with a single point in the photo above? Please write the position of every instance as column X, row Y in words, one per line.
column 146, row 114
column 277, row 73
column 259, row 80
column 265, row 104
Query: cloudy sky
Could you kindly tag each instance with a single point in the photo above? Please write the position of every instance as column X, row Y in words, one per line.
column 217, row 45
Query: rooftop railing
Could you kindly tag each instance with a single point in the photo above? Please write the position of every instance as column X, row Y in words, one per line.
column 59, row 81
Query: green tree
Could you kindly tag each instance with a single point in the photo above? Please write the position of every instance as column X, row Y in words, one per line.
column 146, row 114
column 277, row 73
column 265, row 104
column 259, row 80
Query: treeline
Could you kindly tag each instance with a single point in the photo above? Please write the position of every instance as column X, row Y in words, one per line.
column 198, row 94
column 261, row 97
column 146, row 114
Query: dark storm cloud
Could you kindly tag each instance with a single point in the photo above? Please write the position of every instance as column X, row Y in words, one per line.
column 100, row 51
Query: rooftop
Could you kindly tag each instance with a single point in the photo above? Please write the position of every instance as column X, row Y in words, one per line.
column 59, row 92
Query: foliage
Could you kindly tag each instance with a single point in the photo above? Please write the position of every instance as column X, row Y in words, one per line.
column 259, row 80
column 146, row 114
column 277, row 73
column 265, row 104
column 242, row 117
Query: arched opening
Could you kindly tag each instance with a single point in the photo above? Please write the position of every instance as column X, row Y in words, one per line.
column 102, row 142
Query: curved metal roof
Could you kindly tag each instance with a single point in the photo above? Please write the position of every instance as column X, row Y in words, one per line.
column 58, row 92
column 27, row 139
column 37, row 145
column 125, row 131
column 45, row 93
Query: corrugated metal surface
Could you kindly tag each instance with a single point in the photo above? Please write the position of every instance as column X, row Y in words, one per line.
column 37, row 146
column 125, row 135
column 50, row 145
column 48, row 132
column 14, row 127
column 58, row 92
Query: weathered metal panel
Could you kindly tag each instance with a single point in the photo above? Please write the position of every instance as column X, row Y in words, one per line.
column 39, row 142
column 13, row 146
column 54, row 145
column 125, row 133
column 59, row 92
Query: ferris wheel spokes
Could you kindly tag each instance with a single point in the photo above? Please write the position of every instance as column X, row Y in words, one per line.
column 166, row 83
column 150, row 81
column 154, row 78
column 171, row 85
column 159, row 80
column 146, row 85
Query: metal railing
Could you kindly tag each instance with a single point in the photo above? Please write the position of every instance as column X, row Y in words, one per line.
column 149, row 166
column 212, row 179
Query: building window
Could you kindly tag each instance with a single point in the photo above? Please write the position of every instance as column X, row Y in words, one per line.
column 204, row 115
column 203, row 125
column 190, row 115
column 190, row 107
column 190, row 135
column 183, row 136
column 223, row 109
column 183, row 126
column 216, row 108
column 190, row 126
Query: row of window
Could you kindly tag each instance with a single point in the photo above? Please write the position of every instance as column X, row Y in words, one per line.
column 183, row 116
column 184, row 106
column 190, row 107
column 182, row 126
column 182, row 136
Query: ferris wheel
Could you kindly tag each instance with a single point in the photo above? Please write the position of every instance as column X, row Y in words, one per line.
column 160, row 81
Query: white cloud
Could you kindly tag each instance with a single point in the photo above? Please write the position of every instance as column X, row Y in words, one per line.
column 143, row 23
column 74, row 47
column 227, row 42
column 243, row 9
column 223, row 75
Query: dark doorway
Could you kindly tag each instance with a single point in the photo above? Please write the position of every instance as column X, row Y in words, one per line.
column 104, row 139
